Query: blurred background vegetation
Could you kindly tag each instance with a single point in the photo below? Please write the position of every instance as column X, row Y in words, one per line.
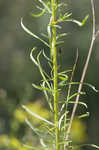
column 17, row 72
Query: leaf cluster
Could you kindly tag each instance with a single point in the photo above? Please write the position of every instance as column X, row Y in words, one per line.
column 47, row 133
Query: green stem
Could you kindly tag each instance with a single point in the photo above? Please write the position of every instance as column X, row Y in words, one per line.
column 55, row 68
column 68, row 93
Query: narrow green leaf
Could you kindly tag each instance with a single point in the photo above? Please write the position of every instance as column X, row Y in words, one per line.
column 33, row 147
column 42, row 72
column 66, row 15
column 59, row 42
column 41, row 88
column 61, row 35
column 37, row 116
column 57, row 26
column 61, row 5
column 63, row 18
column 85, row 19
column 81, row 103
column 93, row 145
column 91, row 86
column 62, row 107
column 38, row 65
column 38, row 15
column 31, row 126
column 47, row 58
column 42, row 143
column 84, row 115
column 32, row 58
column 50, row 130
column 45, row 6
column 47, row 97
column 64, row 72
column 49, row 32
column 63, row 77
column 44, row 35
column 89, row 145
column 60, row 120
column 50, row 38
column 32, row 34
column 40, row 8
column 78, row 22
column 74, row 95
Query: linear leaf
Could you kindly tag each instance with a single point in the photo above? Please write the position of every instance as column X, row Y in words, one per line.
column 37, row 116
column 59, row 42
column 91, row 86
column 32, row 34
column 42, row 143
column 32, row 58
column 61, row 35
column 92, row 145
column 66, row 15
column 41, row 71
column 62, row 107
column 46, row 57
column 85, row 19
column 81, row 93
column 84, row 145
column 50, row 38
column 57, row 26
column 45, row 6
column 44, row 35
column 63, row 77
column 78, row 22
column 38, row 15
column 64, row 72
column 81, row 103
column 47, row 97
column 84, row 115
column 41, row 88
column 50, row 130
column 30, row 125
column 61, row 5
column 60, row 120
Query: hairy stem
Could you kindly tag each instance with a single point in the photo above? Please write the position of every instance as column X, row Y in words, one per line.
column 83, row 73
column 55, row 68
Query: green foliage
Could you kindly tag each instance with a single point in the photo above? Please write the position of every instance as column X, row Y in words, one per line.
column 52, row 133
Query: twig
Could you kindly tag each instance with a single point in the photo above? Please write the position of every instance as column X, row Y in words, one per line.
column 94, row 35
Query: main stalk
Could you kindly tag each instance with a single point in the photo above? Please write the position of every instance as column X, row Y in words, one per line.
column 55, row 72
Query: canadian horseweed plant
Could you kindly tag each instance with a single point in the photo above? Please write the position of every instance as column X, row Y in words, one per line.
column 56, row 131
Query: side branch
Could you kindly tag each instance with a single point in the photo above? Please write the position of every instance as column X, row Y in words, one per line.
column 94, row 35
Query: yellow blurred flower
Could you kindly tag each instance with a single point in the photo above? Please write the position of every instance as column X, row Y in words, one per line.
column 78, row 131
column 4, row 140
column 35, row 107
column 15, row 143
column 11, row 143
column 38, row 109
column 19, row 115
